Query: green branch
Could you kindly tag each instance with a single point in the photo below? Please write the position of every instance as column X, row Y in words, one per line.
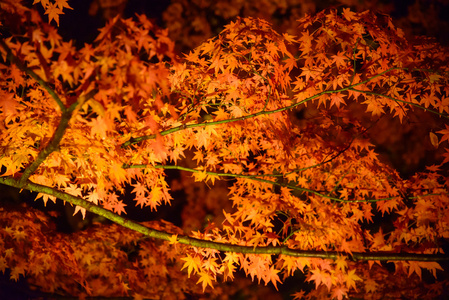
column 257, row 178
column 65, row 117
column 276, row 250
column 51, row 146
column 136, row 140
column 401, row 101
column 55, row 140
column 351, row 87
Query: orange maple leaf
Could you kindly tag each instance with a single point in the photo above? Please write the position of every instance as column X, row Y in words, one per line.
column 206, row 279
column 351, row 279
column 53, row 13
column 173, row 239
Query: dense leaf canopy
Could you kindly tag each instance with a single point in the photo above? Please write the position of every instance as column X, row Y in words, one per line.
column 280, row 128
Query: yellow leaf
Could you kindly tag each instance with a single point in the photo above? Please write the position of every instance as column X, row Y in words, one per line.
column 117, row 173
column 96, row 106
column 433, row 139
column 341, row 263
column 206, row 279
column 200, row 176
column 81, row 209
column 212, row 178
column 434, row 78
column 173, row 239
column 191, row 263
column 257, row 239
column 351, row 278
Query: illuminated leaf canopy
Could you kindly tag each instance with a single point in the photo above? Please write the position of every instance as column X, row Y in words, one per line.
column 283, row 123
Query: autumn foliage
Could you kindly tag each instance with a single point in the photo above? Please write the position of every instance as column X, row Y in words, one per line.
column 284, row 124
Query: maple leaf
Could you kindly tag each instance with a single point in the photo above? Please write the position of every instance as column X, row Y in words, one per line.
column 73, row 190
column 206, row 279
column 290, row 63
column 414, row 267
column 119, row 207
column 212, row 178
column 340, row 59
column 349, row 15
column 62, row 4
column 445, row 133
column 229, row 267
column 17, row 271
column 44, row 3
column 341, row 263
column 289, row 38
column 446, row 155
column 321, row 276
column 221, row 114
column 155, row 198
column 298, row 295
column 139, row 189
column 87, row 258
column 200, row 176
column 370, row 285
column 159, row 148
column 45, row 198
column 236, row 111
column 53, row 12
column 192, row 264
column 351, row 279
column 19, row 235
column 98, row 127
column 257, row 238
column 8, row 104
column 173, row 239
column 272, row 276
column 336, row 100
column 3, row 264
column 80, row 209
column 374, row 106
column 96, row 106
column 432, row 266
column 340, row 292
column 143, row 201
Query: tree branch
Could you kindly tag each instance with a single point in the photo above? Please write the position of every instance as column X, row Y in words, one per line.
column 15, row 60
column 65, row 117
column 135, row 140
column 401, row 101
column 276, row 250
column 257, row 178
column 55, row 140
